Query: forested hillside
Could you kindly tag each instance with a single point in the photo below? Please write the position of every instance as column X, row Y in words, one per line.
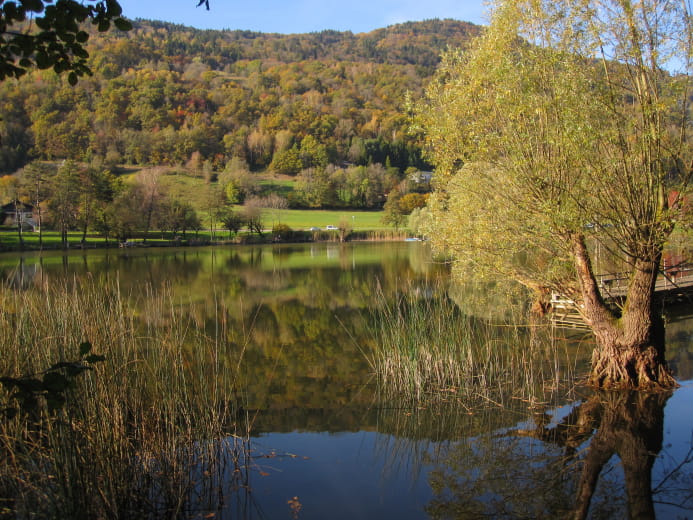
column 165, row 94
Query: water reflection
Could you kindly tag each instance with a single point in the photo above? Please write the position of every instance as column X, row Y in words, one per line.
column 594, row 459
column 631, row 427
column 294, row 319
column 293, row 316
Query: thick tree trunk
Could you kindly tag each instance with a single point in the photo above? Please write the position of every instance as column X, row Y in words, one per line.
column 630, row 348
column 640, row 366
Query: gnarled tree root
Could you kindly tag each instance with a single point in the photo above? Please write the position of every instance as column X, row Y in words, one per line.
column 630, row 369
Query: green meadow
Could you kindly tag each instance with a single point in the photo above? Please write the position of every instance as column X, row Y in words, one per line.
column 300, row 220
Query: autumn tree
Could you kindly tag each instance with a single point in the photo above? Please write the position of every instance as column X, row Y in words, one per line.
column 10, row 190
column 34, row 179
column 97, row 187
column 315, row 188
column 287, row 162
column 232, row 221
column 366, row 186
column 175, row 215
column 400, row 203
column 149, row 183
column 312, row 153
column 252, row 215
column 63, row 203
column 215, row 204
column 276, row 203
column 392, row 210
column 237, row 181
column 346, row 226
column 563, row 131
column 140, row 109
column 125, row 215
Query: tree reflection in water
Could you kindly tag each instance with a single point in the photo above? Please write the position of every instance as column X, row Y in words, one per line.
column 630, row 425
column 548, row 469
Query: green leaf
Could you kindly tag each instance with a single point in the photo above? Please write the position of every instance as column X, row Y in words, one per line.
column 10, row 11
column 75, row 369
column 42, row 24
column 71, row 368
column 35, row 6
column 65, row 364
column 11, row 412
column 27, row 401
column 122, row 24
column 55, row 401
column 29, row 385
column 72, row 78
column 43, row 61
column 80, row 52
column 95, row 358
column 114, row 8
column 55, row 382
column 84, row 348
column 8, row 382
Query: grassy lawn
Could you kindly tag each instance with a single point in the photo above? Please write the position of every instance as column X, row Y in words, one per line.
column 183, row 187
column 51, row 240
column 299, row 219
column 280, row 186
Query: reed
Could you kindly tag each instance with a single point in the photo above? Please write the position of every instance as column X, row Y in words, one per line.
column 426, row 350
column 380, row 235
column 150, row 432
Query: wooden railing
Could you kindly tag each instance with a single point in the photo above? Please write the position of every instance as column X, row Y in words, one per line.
column 674, row 283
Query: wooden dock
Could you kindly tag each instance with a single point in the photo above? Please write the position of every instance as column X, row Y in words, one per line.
column 674, row 286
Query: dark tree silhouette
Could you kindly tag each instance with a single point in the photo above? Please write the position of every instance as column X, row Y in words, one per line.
column 629, row 425
column 43, row 34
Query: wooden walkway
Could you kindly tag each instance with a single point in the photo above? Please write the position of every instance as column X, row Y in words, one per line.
column 674, row 286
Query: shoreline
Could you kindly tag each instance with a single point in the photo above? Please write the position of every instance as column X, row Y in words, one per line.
column 203, row 240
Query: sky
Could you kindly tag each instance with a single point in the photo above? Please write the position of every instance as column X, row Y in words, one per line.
column 302, row 16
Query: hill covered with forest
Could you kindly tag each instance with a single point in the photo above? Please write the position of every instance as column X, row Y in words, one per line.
column 164, row 94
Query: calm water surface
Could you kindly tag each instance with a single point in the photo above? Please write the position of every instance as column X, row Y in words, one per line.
column 325, row 445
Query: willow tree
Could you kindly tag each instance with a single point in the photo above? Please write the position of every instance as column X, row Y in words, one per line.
column 560, row 134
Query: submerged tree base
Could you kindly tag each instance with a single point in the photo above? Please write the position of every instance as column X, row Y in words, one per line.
column 630, row 368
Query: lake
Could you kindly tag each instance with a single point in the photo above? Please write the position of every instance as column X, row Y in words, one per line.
column 326, row 441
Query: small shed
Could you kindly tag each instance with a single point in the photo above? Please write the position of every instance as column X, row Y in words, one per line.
column 14, row 213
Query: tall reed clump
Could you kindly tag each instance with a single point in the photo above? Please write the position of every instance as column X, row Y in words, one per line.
column 144, row 434
column 379, row 235
column 425, row 348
